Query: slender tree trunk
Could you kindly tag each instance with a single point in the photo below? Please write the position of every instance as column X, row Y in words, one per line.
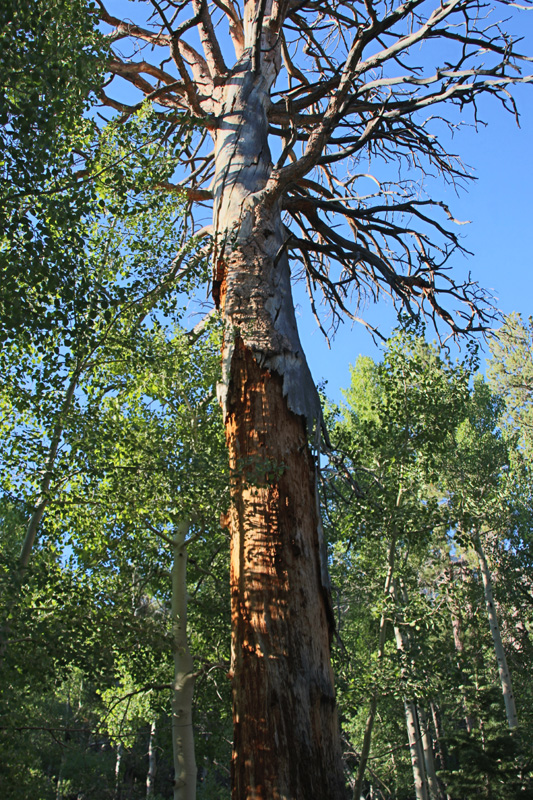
column 286, row 736
column 367, row 737
column 434, row 787
column 458, row 644
column 118, row 761
column 441, row 748
column 503, row 669
column 182, row 728
column 152, row 763
column 411, row 719
column 415, row 750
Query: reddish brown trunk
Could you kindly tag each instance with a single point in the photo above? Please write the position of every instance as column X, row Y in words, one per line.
column 286, row 737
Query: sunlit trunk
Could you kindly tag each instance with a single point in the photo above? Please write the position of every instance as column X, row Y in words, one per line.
column 286, row 738
column 415, row 750
column 118, row 761
column 434, row 788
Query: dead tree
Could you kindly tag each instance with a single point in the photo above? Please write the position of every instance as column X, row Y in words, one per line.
column 300, row 99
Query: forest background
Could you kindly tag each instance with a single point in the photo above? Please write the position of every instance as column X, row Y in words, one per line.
column 109, row 479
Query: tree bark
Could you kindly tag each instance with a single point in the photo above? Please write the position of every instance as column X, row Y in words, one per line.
column 182, row 727
column 118, row 761
column 503, row 669
column 286, row 737
column 286, row 741
column 458, row 639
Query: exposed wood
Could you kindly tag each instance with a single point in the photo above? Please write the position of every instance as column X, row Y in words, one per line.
column 286, row 731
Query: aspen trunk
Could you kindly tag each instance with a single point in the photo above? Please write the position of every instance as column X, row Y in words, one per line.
column 118, row 761
column 286, row 737
column 503, row 669
column 40, row 506
column 458, row 642
column 42, row 502
column 434, row 788
column 415, row 750
column 369, row 726
column 411, row 719
column 182, row 728
column 152, row 763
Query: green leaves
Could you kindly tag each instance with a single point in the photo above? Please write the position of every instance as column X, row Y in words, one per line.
column 52, row 58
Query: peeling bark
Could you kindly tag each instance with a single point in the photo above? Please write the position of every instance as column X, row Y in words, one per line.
column 286, row 737
column 286, row 732
column 252, row 274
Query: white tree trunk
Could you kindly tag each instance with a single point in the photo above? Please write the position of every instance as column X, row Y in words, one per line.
column 42, row 502
column 434, row 788
column 118, row 760
column 411, row 719
column 152, row 763
column 367, row 738
column 415, row 750
column 503, row 669
column 182, row 728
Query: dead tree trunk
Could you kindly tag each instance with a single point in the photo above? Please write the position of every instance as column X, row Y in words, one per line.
column 286, row 739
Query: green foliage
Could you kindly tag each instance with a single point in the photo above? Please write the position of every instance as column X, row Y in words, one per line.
column 430, row 470
column 52, row 58
column 492, row 763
